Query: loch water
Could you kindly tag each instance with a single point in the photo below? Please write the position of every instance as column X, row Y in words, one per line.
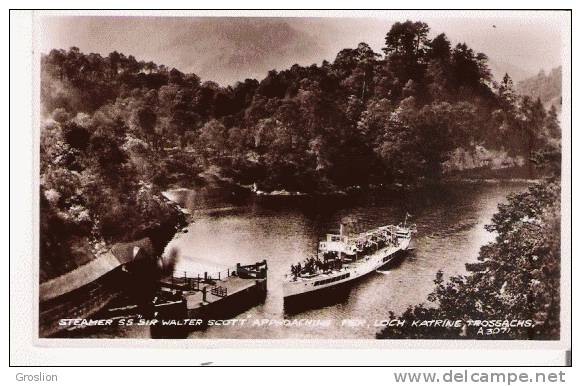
column 230, row 227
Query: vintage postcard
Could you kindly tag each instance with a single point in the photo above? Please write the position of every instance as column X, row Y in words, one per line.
column 351, row 176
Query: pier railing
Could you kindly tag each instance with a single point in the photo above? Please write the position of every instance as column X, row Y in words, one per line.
column 252, row 271
column 191, row 280
column 219, row 291
column 197, row 277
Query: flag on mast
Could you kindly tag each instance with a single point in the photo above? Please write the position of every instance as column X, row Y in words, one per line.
column 406, row 218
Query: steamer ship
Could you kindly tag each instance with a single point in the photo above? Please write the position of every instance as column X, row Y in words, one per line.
column 342, row 258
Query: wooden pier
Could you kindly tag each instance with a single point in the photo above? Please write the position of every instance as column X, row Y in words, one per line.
column 205, row 296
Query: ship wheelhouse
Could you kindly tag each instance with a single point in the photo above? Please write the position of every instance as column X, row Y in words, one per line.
column 352, row 248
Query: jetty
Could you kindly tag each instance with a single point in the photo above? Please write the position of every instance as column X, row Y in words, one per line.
column 203, row 296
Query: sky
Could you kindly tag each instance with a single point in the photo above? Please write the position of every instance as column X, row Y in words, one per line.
column 230, row 49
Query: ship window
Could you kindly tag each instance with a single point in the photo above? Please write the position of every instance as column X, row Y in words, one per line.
column 333, row 279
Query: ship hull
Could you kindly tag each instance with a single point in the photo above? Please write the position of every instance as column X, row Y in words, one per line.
column 302, row 288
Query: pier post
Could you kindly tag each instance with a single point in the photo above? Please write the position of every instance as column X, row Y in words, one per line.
column 205, row 275
column 204, row 294
column 218, row 275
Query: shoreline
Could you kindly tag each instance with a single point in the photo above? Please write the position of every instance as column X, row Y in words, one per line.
column 351, row 190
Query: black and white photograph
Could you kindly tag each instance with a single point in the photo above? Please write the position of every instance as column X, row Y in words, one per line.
column 362, row 176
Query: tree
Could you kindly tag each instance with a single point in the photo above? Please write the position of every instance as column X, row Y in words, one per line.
column 552, row 125
column 408, row 39
column 470, row 69
column 75, row 135
column 506, row 94
column 212, row 139
column 146, row 119
column 406, row 45
column 375, row 119
column 439, row 48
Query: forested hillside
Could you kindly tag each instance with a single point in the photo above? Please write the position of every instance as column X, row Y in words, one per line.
column 547, row 88
column 117, row 130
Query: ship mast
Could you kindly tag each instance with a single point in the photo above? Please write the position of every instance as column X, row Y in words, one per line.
column 341, row 238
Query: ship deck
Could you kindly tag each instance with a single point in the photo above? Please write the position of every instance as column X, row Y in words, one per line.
column 347, row 266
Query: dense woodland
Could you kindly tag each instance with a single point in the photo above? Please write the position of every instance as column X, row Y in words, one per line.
column 116, row 131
